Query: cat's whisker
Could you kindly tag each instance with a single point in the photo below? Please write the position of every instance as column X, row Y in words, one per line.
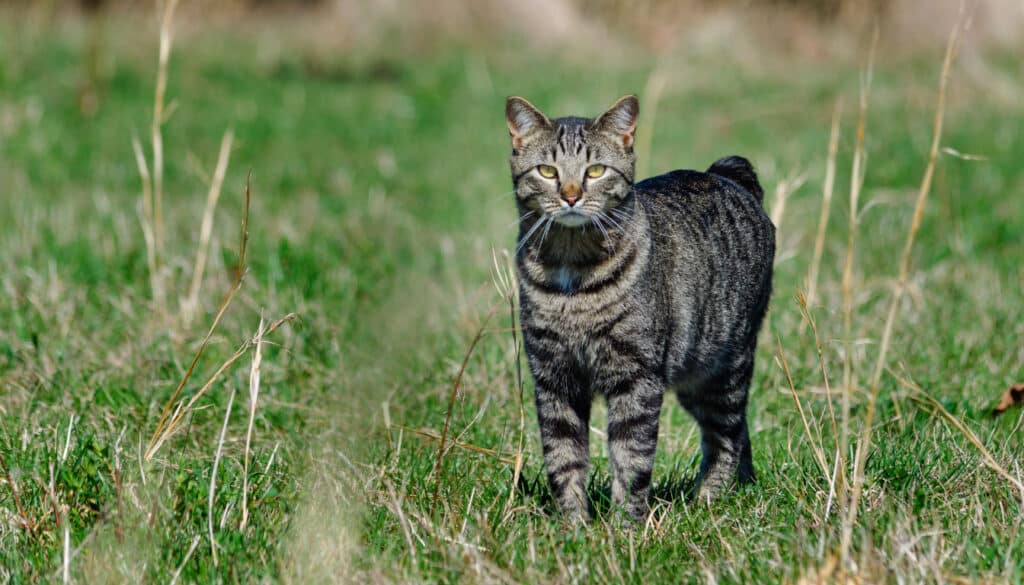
column 604, row 232
column 547, row 229
column 600, row 227
column 526, row 238
column 521, row 218
column 619, row 213
column 609, row 219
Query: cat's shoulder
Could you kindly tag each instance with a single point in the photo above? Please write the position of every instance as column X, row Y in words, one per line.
column 731, row 176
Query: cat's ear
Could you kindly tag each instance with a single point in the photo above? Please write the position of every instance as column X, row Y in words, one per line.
column 523, row 118
column 620, row 120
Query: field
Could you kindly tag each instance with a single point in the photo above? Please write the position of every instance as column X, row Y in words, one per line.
column 380, row 215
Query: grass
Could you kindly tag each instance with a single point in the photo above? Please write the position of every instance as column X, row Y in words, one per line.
column 379, row 189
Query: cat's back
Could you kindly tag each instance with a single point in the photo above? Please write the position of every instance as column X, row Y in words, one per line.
column 710, row 233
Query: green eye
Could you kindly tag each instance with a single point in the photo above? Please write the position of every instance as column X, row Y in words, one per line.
column 595, row 171
column 547, row 171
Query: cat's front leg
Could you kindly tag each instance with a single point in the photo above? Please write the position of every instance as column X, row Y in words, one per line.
column 633, row 410
column 564, row 417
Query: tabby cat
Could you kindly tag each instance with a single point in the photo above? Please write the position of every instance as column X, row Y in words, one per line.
column 628, row 289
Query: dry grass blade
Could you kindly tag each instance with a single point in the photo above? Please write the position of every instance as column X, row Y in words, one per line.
column 213, row 476
column 66, row 557
column 783, row 190
column 805, row 311
column 22, row 517
column 922, row 397
column 904, row 272
column 915, row 224
column 155, row 286
column 438, row 463
column 206, row 228
column 436, row 436
column 652, row 96
column 819, row 455
column 254, row 394
column 186, row 407
column 406, row 529
column 161, row 428
column 510, row 292
column 188, row 555
column 118, row 526
column 166, row 40
column 826, row 206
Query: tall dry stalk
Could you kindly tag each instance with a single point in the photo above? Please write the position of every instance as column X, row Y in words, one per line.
column 505, row 281
column 161, row 432
column 783, row 189
column 652, row 97
column 155, row 284
column 153, row 184
column 439, row 461
column 816, row 446
column 166, row 40
column 206, row 228
column 826, row 206
column 904, row 272
column 856, row 183
column 805, row 311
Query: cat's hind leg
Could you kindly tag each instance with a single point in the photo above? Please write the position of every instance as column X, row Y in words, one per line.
column 720, row 408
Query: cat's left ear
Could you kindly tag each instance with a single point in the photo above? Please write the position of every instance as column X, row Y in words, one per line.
column 620, row 120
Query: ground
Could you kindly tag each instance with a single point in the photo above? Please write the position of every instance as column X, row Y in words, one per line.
column 380, row 200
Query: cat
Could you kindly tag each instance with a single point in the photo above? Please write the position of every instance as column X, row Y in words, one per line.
column 627, row 290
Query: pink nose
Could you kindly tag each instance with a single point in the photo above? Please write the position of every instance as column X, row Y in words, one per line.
column 571, row 193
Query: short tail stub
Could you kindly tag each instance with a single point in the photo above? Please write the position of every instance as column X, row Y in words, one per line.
column 738, row 170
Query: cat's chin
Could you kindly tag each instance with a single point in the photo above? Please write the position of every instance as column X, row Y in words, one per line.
column 572, row 219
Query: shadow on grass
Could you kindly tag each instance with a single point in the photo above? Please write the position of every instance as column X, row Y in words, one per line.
column 679, row 485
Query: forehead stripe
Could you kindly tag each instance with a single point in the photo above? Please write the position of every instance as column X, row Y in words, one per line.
column 515, row 179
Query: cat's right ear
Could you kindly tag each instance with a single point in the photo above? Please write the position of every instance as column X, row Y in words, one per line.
column 523, row 118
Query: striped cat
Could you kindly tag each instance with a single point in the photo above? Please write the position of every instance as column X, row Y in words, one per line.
column 627, row 290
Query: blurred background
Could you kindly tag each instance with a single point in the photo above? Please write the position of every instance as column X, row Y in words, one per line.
column 380, row 213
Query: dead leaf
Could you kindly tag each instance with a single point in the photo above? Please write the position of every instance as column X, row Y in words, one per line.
column 1013, row 396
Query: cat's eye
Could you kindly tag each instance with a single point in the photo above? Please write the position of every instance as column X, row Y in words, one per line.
column 547, row 171
column 595, row 171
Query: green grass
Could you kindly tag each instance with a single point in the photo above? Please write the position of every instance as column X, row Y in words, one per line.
column 380, row 188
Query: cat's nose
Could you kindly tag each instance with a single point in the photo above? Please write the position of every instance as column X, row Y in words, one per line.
column 571, row 193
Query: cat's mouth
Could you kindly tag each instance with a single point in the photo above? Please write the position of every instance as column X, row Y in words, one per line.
column 571, row 217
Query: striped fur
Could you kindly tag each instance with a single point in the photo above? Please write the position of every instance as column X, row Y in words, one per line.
column 633, row 290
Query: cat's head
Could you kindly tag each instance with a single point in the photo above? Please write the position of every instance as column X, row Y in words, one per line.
column 572, row 169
